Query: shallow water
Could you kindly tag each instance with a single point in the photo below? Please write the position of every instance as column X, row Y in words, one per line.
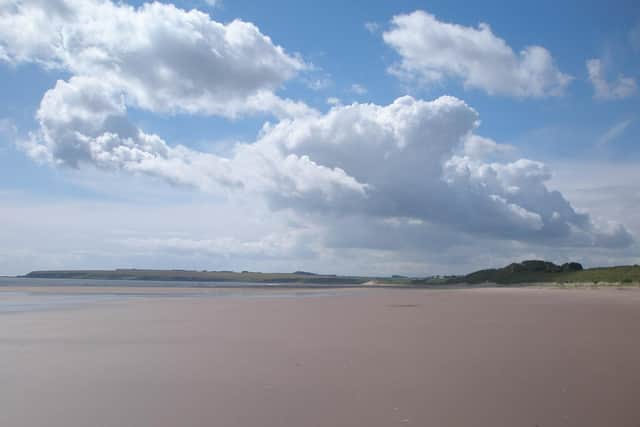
column 27, row 281
column 55, row 294
column 16, row 302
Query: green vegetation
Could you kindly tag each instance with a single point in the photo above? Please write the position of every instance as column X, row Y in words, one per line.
column 545, row 272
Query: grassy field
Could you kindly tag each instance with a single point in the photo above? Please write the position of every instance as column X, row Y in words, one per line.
column 621, row 274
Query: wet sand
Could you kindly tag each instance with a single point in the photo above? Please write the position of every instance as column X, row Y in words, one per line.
column 376, row 357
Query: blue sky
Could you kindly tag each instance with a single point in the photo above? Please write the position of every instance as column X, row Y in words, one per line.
column 331, row 60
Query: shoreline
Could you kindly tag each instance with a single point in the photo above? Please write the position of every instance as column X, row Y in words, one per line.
column 8, row 282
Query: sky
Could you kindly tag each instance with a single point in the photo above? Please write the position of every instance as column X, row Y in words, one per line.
column 373, row 138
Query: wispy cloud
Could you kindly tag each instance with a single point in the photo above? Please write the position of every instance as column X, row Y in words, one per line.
column 622, row 87
column 8, row 131
column 372, row 27
column 319, row 83
column 358, row 89
column 7, row 126
column 614, row 132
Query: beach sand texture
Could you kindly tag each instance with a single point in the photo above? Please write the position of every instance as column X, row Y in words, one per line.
column 377, row 357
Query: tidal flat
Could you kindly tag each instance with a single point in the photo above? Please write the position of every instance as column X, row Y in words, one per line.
column 117, row 356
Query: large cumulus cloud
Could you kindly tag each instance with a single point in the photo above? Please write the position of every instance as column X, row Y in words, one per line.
column 162, row 58
column 413, row 160
column 420, row 160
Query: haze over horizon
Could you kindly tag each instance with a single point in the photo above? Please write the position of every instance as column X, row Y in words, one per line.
column 374, row 138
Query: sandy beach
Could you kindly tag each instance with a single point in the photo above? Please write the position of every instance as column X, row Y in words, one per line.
column 374, row 357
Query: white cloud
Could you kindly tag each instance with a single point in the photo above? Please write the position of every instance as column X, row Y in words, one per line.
column 405, row 154
column 319, row 83
column 161, row 58
column 196, row 233
column 484, row 148
column 285, row 245
column 608, row 190
column 622, row 87
column 84, row 122
column 432, row 50
column 397, row 160
column 183, row 229
column 614, row 132
column 358, row 89
column 371, row 26
column 332, row 100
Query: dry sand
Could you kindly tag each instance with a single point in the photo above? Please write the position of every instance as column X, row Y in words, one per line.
column 378, row 357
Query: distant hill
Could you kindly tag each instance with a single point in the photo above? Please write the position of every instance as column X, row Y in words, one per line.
column 532, row 271
column 535, row 271
column 198, row 276
column 305, row 273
